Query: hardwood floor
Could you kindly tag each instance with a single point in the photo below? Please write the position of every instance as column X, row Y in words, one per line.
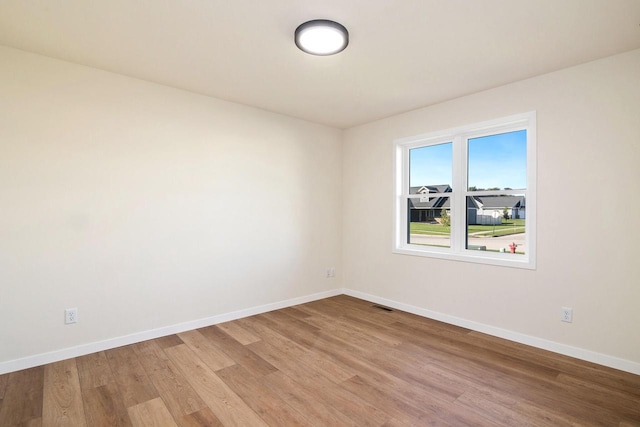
column 339, row 361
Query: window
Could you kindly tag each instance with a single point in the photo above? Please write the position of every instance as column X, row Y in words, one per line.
column 468, row 193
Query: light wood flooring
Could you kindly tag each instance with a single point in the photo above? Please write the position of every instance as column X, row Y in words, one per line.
column 335, row 362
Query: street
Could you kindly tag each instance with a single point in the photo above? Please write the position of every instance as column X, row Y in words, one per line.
column 492, row 243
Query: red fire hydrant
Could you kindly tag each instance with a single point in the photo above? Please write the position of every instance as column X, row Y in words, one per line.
column 512, row 247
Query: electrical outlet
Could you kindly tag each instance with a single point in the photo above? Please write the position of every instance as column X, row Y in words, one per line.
column 567, row 314
column 70, row 315
column 331, row 272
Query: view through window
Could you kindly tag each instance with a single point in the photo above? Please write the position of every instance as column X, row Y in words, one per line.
column 468, row 193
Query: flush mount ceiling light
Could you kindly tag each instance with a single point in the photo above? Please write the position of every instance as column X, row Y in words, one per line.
column 321, row 37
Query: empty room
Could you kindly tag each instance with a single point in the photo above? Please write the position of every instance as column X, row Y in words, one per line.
column 319, row 213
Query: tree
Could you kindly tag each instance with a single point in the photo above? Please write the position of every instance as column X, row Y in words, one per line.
column 505, row 213
column 473, row 188
column 445, row 219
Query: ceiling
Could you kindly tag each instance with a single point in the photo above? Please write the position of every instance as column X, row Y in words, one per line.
column 403, row 54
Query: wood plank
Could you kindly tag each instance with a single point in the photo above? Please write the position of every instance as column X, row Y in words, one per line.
column 152, row 413
column 296, row 330
column 441, row 411
column 238, row 352
column 206, row 350
column 398, row 315
column 314, row 361
column 605, row 376
column 294, row 312
column 225, row 404
column 34, row 422
column 62, row 395
column 94, row 370
column 23, row 397
column 410, row 366
column 151, row 356
column 619, row 402
column 525, row 388
column 305, row 401
column 238, row 333
column 179, row 397
column 357, row 311
column 355, row 320
column 168, row 341
column 270, row 407
column 103, row 406
column 202, row 418
column 4, row 381
column 359, row 361
column 363, row 330
column 471, row 402
column 446, row 347
column 394, row 422
column 400, row 409
column 410, row 403
column 537, row 415
column 323, row 389
column 133, row 382
column 367, row 345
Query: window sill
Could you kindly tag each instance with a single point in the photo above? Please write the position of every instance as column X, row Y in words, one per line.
column 476, row 257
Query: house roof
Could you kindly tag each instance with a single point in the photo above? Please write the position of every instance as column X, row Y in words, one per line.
column 438, row 203
column 440, row 188
column 484, row 202
column 433, row 203
column 500, row 202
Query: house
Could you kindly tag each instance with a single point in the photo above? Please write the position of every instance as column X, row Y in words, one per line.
column 480, row 209
column 427, row 209
column 170, row 165
column 495, row 206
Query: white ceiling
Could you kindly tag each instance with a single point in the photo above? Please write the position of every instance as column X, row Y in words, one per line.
column 403, row 54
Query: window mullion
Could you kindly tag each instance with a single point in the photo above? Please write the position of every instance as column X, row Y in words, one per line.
column 458, row 218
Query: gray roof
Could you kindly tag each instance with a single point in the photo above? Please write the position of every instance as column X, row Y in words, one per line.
column 433, row 203
column 441, row 188
column 485, row 202
column 440, row 202
column 501, row 202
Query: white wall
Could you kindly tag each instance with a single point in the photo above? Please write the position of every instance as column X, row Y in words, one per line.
column 146, row 206
column 588, row 122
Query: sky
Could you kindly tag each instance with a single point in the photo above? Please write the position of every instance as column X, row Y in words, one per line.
column 493, row 161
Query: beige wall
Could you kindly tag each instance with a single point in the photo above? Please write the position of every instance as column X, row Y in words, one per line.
column 145, row 206
column 588, row 123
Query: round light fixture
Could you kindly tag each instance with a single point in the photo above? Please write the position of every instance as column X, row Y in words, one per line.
column 321, row 37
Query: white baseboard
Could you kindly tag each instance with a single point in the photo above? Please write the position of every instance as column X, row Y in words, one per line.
column 84, row 349
column 578, row 353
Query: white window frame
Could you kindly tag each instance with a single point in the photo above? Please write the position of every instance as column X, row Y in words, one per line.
column 459, row 138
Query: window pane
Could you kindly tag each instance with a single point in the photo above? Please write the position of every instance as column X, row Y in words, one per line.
column 496, row 223
column 431, row 168
column 429, row 221
column 498, row 162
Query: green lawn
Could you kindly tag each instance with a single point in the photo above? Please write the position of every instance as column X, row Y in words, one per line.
column 511, row 226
